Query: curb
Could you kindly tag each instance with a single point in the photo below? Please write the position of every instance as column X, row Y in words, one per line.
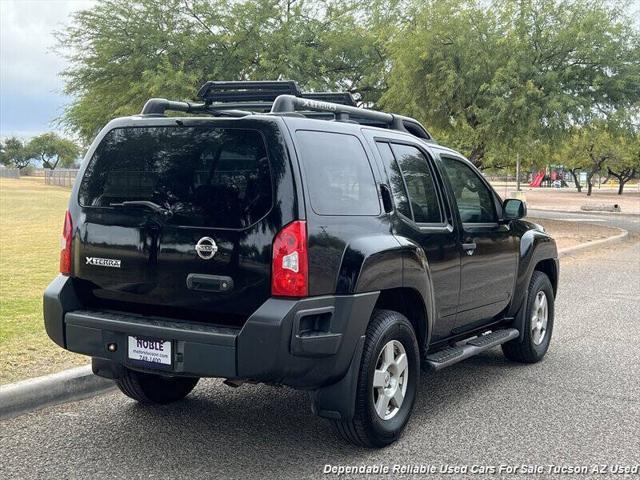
column 35, row 393
column 588, row 212
column 586, row 246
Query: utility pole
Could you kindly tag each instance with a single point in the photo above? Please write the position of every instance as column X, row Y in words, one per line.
column 517, row 172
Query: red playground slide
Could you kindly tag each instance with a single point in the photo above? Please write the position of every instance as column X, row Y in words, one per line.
column 537, row 180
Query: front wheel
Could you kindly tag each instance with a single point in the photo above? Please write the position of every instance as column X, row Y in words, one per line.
column 387, row 382
column 538, row 323
column 148, row 388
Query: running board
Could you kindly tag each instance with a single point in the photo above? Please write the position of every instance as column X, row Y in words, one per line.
column 448, row 356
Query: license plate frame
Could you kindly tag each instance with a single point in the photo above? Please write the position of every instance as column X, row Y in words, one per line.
column 150, row 352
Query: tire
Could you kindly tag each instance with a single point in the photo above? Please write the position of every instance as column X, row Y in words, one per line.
column 533, row 346
column 152, row 389
column 392, row 332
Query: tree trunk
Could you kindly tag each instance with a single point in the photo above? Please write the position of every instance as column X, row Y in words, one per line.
column 623, row 177
column 576, row 180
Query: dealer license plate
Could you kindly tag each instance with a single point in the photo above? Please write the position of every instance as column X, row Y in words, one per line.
column 150, row 350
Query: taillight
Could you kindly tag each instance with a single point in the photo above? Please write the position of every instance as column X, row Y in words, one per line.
column 289, row 271
column 65, row 245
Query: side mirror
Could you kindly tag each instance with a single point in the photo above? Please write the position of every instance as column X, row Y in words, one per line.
column 513, row 209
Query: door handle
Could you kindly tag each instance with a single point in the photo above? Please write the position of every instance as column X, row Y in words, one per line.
column 209, row 283
column 469, row 247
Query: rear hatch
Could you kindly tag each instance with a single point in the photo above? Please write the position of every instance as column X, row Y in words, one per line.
column 178, row 221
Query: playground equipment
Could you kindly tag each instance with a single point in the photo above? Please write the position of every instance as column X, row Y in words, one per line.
column 537, row 179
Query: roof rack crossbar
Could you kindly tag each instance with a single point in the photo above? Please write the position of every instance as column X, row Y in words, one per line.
column 158, row 107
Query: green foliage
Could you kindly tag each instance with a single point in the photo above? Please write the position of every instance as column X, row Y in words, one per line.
column 596, row 147
column 124, row 52
column 14, row 153
column 625, row 165
column 510, row 73
column 53, row 150
column 495, row 79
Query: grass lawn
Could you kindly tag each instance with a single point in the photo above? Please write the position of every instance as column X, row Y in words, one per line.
column 31, row 217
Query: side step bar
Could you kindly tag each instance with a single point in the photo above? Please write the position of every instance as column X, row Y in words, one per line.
column 448, row 356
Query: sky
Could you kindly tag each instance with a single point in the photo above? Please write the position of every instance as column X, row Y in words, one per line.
column 31, row 95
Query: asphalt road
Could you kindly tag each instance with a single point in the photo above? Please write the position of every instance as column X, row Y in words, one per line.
column 580, row 406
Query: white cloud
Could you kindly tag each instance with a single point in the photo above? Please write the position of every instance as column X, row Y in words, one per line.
column 28, row 67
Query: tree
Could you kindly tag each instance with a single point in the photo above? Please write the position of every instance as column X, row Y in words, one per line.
column 3, row 155
column 626, row 164
column 592, row 148
column 123, row 52
column 15, row 153
column 53, row 150
column 482, row 74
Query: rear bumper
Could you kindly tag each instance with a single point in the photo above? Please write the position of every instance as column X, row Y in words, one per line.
column 307, row 343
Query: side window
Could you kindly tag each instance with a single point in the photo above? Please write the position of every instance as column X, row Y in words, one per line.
column 398, row 189
column 474, row 199
column 337, row 174
column 420, row 185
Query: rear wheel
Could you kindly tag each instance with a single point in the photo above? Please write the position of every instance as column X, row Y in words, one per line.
column 154, row 389
column 387, row 383
column 538, row 323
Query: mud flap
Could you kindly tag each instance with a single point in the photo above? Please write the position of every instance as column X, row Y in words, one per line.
column 338, row 400
column 519, row 320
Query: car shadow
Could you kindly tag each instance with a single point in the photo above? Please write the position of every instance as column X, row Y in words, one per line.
column 227, row 428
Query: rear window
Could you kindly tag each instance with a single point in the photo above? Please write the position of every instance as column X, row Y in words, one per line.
column 205, row 176
column 337, row 174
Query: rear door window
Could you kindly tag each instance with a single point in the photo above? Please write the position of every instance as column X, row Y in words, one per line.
column 205, row 176
column 421, row 187
column 338, row 176
column 398, row 188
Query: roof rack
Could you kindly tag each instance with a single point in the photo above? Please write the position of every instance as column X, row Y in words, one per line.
column 239, row 99
column 263, row 91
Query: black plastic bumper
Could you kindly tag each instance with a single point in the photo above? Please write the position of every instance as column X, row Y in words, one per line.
column 307, row 343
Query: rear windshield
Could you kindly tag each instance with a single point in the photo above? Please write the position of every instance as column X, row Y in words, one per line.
column 204, row 176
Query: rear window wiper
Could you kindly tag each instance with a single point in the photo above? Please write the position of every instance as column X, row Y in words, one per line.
column 143, row 203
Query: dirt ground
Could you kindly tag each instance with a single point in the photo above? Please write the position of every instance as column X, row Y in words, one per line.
column 569, row 233
column 568, row 199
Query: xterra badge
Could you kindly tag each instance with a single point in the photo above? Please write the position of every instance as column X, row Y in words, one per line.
column 206, row 248
column 103, row 262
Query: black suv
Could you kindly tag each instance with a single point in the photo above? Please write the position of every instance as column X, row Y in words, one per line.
column 289, row 238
